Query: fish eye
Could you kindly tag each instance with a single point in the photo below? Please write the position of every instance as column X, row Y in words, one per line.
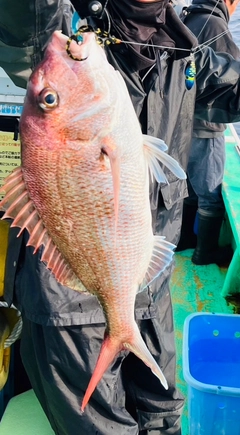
column 48, row 99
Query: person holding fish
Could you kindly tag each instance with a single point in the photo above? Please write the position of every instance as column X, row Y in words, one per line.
column 105, row 136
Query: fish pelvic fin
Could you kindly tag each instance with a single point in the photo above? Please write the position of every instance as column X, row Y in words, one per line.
column 139, row 348
column 19, row 207
column 110, row 348
column 155, row 152
column 162, row 256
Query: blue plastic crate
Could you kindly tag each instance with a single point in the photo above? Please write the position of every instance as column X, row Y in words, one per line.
column 211, row 368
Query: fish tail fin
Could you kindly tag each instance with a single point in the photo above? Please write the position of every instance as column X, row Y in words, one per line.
column 139, row 348
column 109, row 350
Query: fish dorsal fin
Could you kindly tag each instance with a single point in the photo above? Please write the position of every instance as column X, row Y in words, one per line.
column 155, row 152
column 162, row 255
column 19, row 207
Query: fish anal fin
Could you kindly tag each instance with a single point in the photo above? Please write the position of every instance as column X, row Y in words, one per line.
column 154, row 149
column 162, row 255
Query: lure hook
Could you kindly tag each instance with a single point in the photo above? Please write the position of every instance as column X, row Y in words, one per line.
column 103, row 38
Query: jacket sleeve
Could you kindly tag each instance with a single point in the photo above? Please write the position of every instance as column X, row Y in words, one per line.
column 25, row 29
column 218, row 87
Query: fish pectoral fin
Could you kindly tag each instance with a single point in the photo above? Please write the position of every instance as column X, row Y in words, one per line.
column 109, row 149
column 162, row 255
column 155, row 152
column 19, row 207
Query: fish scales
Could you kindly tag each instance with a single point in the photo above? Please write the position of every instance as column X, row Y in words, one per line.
column 85, row 167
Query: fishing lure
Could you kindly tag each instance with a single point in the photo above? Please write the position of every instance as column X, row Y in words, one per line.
column 190, row 73
column 77, row 37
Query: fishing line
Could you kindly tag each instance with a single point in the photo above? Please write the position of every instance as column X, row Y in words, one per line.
column 210, row 41
column 154, row 45
column 105, row 38
column 193, row 50
column 208, row 18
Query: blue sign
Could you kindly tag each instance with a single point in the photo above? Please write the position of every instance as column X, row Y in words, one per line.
column 10, row 110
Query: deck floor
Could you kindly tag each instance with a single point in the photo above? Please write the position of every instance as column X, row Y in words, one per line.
column 194, row 289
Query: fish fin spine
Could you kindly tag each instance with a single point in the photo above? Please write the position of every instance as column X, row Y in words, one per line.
column 162, row 256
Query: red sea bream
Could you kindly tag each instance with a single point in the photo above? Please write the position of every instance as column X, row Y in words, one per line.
column 83, row 189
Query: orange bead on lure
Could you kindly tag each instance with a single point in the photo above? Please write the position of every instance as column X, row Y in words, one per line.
column 83, row 189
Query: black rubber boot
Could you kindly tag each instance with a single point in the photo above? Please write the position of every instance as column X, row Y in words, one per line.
column 188, row 239
column 207, row 250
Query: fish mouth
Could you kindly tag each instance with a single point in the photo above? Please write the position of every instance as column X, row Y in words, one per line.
column 76, row 47
column 77, row 55
column 79, row 40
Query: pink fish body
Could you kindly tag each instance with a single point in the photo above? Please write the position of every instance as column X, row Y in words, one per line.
column 83, row 189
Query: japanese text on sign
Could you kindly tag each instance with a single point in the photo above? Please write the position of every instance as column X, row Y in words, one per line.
column 9, row 155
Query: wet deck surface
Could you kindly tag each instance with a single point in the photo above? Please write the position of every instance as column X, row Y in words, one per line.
column 194, row 289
